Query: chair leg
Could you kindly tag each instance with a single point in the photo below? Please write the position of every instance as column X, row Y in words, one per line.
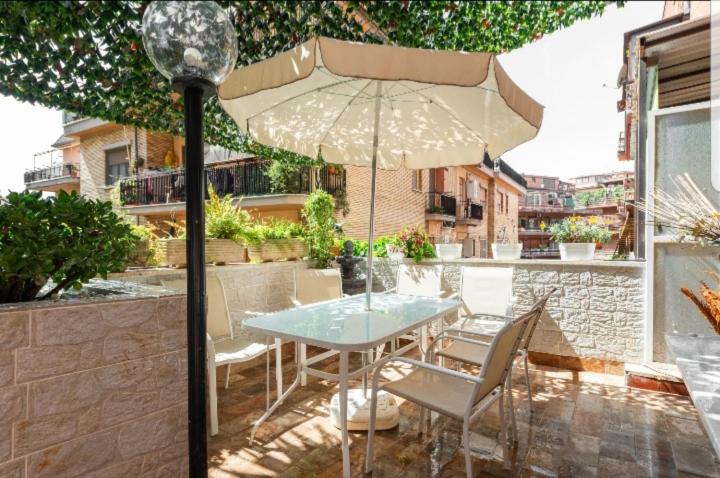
column 212, row 385
column 421, row 425
column 527, row 378
column 466, row 444
column 513, row 430
column 227, row 376
column 301, row 362
column 503, row 429
column 369, row 457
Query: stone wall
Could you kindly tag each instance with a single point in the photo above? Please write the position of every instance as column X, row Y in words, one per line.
column 597, row 312
column 265, row 287
column 94, row 387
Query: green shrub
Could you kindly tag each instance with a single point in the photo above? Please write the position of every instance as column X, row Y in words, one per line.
column 223, row 219
column 575, row 229
column 261, row 231
column 319, row 215
column 68, row 239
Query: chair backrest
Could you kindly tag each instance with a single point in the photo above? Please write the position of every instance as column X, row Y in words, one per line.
column 419, row 280
column 218, row 315
column 486, row 290
column 504, row 347
column 317, row 285
column 532, row 325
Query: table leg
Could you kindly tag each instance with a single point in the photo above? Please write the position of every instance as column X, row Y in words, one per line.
column 343, row 413
column 278, row 402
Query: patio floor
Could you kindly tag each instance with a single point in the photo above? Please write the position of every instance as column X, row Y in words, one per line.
column 581, row 424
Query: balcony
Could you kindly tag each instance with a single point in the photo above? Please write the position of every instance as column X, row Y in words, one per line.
column 472, row 212
column 164, row 192
column 441, row 206
column 53, row 178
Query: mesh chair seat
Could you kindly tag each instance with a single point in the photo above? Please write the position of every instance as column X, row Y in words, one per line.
column 473, row 354
column 485, row 327
column 440, row 392
column 238, row 349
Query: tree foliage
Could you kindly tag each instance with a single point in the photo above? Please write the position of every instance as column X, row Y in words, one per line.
column 88, row 58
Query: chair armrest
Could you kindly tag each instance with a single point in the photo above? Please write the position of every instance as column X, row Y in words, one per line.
column 295, row 302
column 465, row 339
column 435, row 368
column 390, row 290
column 454, row 295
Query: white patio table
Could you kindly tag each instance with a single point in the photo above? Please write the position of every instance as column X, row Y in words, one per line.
column 345, row 326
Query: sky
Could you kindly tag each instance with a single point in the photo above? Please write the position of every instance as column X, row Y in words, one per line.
column 564, row 71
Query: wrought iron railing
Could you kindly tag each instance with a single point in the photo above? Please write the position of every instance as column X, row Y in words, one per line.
column 52, row 172
column 243, row 178
column 472, row 210
column 441, row 203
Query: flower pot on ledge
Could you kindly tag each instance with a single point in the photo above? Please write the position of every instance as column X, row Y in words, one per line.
column 171, row 251
column 277, row 249
column 577, row 251
column 448, row 252
column 506, row 252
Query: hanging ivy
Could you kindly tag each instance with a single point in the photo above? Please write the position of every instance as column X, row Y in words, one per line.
column 87, row 57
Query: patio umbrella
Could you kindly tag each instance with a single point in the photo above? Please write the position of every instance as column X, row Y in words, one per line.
column 381, row 106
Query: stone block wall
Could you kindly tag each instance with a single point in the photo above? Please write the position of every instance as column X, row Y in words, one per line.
column 597, row 312
column 94, row 389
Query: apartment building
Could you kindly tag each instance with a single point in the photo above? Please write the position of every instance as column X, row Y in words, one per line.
column 142, row 172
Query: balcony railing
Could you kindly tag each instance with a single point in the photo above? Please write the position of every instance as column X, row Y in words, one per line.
column 441, row 203
column 244, row 178
column 472, row 210
column 52, row 172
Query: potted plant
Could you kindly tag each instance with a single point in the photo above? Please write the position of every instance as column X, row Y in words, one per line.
column 224, row 223
column 142, row 250
column 505, row 249
column 63, row 241
column 415, row 243
column 278, row 239
column 578, row 238
column 319, row 215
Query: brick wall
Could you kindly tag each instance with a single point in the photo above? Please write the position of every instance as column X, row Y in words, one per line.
column 92, row 160
column 396, row 204
column 93, row 389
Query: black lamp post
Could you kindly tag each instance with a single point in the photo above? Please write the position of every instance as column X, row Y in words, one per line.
column 194, row 45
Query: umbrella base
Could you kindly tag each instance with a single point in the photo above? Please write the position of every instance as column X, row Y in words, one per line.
column 358, row 411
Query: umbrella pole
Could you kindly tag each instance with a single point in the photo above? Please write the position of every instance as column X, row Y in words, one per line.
column 373, row 181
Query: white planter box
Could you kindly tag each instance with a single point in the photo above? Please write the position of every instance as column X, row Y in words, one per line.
column 577, row 251
column 506, row 252
column 448, row 252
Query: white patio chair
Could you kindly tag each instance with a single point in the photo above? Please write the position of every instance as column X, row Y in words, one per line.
column 416, row 280
column 224, row 347
column 312, row 286
column 455, row 394
column 474, row 352
column 486, row 294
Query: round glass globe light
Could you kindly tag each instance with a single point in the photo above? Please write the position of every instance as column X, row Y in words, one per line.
column 190, row 39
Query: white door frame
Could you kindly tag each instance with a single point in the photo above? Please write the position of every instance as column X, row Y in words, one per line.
column 650, row 238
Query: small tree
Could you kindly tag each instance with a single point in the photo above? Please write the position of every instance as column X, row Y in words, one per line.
column 68, row 239
column 319, row 214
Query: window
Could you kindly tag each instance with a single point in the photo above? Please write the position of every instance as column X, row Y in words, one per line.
column 417, row 179
column 117, row 165
column 507, row 203
column 548, row 183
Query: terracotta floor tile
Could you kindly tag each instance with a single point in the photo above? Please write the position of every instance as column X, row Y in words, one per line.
column 575, row 428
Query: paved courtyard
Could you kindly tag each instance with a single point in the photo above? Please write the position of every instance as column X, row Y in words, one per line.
column 581, row 424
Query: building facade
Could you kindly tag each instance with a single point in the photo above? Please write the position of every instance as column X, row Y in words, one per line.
column 142, row 173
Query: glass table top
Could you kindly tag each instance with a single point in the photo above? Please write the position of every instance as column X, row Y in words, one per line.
column 344, row 324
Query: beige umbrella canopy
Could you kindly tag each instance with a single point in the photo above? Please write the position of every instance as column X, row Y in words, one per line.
column 381, row 106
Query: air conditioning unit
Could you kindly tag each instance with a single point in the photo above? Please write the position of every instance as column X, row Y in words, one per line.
column 472, row 189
